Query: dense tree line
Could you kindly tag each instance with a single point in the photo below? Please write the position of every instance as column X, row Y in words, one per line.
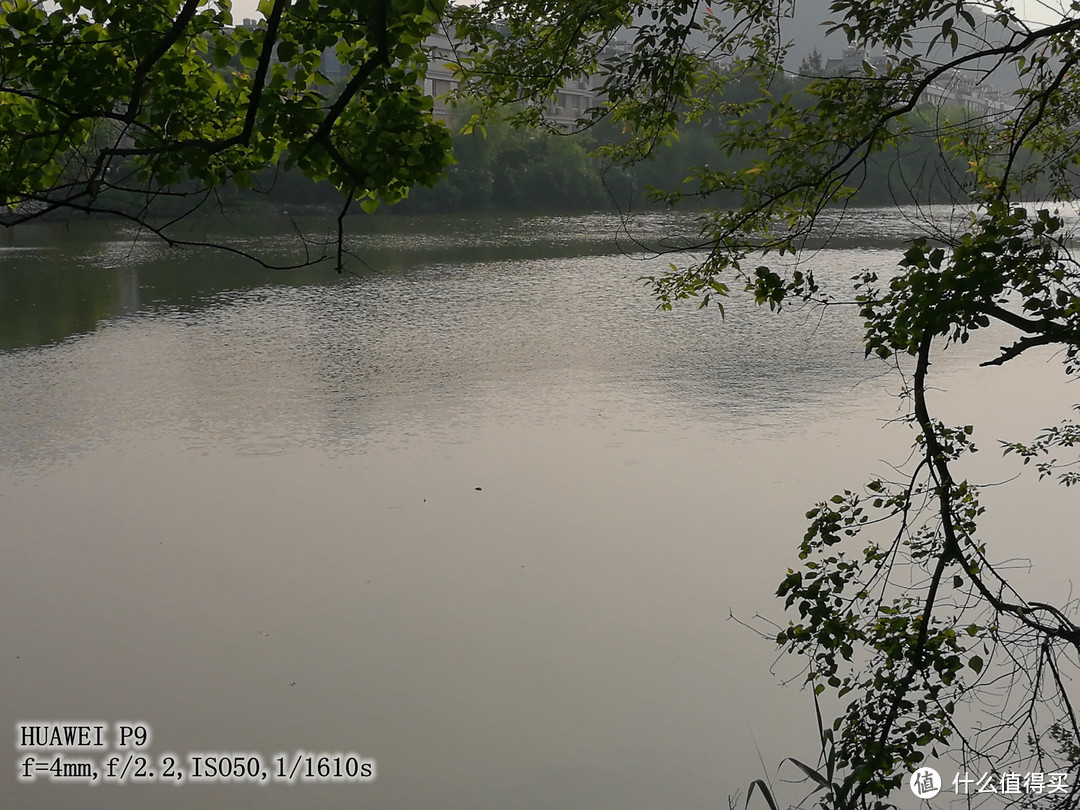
column 504, row 168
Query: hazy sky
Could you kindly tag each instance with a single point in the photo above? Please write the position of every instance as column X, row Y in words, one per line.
column 245, row 8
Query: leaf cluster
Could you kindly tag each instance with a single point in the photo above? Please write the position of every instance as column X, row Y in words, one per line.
column 142, row 98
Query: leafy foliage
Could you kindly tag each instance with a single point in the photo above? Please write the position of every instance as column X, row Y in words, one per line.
column 509, row 169
column 103, row 101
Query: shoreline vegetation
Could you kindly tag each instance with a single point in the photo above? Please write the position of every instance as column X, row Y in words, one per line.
column 504, row 169
column 519, row 172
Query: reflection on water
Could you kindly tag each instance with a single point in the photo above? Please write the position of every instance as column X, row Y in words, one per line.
column 439, row 346
column 480, row 513
column 61, row 281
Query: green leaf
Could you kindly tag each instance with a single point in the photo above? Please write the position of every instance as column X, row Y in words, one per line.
column 286, row 50
column 761, row 787
column 249, row 54
column 812, row 774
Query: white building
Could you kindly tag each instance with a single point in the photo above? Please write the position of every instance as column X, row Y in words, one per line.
column 953, row 89
column 570, row 104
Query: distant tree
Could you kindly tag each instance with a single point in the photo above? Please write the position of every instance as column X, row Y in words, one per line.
column 507, row 169
column 812, row 64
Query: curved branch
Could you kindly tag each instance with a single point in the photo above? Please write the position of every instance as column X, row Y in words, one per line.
column 142, row 70
column 254, row 99
column 381, row 58
column 1065, row 629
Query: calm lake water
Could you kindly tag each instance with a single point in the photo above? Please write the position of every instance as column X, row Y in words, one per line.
column 479, row 513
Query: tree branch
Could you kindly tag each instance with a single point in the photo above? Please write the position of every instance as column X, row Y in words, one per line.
column 142, row 70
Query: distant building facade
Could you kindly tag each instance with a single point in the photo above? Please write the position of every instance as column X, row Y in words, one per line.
column 951, row 89
column 571, row 101
column 853, row 62
column 570, row 104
